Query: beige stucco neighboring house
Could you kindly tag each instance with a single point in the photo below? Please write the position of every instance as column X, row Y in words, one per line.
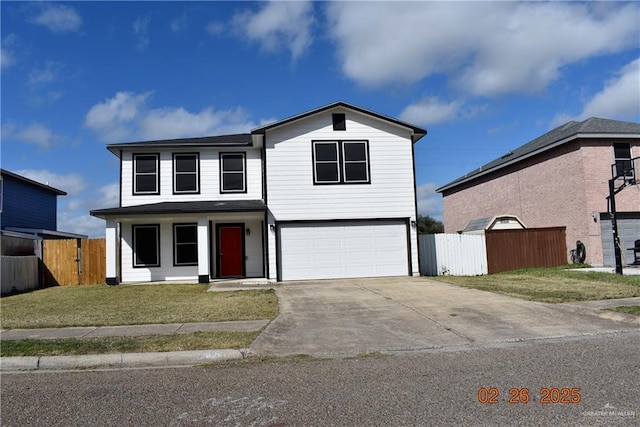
column 558, row 179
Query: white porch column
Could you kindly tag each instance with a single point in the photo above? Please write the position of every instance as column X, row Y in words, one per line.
column 203, row 250
column 111, row 249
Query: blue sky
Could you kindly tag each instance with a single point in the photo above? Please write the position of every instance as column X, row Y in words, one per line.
column 482, row 77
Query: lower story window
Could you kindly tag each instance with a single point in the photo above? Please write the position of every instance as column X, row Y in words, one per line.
column 146, row 245
column 185, row 244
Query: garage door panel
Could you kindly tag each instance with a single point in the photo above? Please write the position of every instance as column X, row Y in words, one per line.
column 628, row 232
column 340, row 250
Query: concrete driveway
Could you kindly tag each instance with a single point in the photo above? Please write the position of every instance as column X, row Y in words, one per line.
column 348, row 317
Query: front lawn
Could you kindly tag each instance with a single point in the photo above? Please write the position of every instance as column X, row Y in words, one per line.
column 101, row 305
column 149, row 343
column 552, row 284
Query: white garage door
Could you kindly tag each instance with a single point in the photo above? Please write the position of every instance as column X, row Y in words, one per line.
column 342, row 250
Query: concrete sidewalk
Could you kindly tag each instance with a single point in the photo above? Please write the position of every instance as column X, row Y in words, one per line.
column 126, row 360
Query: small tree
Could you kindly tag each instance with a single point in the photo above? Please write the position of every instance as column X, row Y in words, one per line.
column 428, row 225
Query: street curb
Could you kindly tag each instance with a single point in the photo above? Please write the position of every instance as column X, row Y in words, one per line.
column 122, row 360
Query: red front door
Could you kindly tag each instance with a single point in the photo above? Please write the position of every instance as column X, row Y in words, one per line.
column 230, row 250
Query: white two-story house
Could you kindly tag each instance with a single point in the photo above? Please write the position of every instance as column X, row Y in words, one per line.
column 329, row 193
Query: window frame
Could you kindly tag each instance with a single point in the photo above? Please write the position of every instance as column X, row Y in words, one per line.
column 223, row 172
column 336, row 162
column 134, row 227
column 341, row 162
column 134, row 162
column 365, row 161
column 626, row 161
column 177, row 245
column 196, row 173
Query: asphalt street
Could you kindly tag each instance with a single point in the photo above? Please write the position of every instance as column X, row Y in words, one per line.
column 600, row 374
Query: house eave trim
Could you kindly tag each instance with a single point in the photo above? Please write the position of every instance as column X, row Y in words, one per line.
column 566, row 140
column 417, row 133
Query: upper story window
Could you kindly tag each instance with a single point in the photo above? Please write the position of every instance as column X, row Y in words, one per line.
column 146, row 176
column 186, row 173
column 233, row 177
column 622, row 155
column 146, row 245
column 340, row 162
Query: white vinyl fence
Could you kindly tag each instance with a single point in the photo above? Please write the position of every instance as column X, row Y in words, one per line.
column 452, row 254
column 19, row 273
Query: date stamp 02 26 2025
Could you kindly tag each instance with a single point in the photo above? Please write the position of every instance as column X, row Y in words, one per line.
column 564, row 395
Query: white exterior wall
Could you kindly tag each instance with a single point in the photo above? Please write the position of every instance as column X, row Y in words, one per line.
column 292, row 194
column 209, row 177
column 167, row 271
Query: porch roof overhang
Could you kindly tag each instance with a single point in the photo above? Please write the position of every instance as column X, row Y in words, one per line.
column 172, row 208
column 46, row 234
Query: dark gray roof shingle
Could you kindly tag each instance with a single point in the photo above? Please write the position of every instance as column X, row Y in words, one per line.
column 557, row 136
column 235, row 140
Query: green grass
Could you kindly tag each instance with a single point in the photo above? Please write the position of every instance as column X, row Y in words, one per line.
column 630, row 309
column 151, row 343
column 101, row 305
column 552, row 284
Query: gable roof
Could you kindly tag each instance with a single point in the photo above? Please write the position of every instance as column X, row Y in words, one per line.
column 592, row 127
column 57, row 192
column 234, row 140
column 417, row 132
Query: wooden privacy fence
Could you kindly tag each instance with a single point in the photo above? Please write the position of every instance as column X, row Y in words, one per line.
column 492, row 252
column 531, row 247
column 74, row 262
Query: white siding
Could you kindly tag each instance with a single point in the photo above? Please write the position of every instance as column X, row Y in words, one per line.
column 453, row 254
column 167, row 271
column 209, row 178
column 292, row 195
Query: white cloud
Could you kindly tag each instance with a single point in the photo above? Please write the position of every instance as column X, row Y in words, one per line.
column 215, row 28
column 430, row 111
column 73, row 216
column 81, row 223
column 6, row 58
column 113, row 118
column 487, row 48
column 58, row 18
column 46, row 74
column 178, row 122
column 179, row 23
column 141, row 30
column 278, row 24
column 109, row 196
column 126, row 116
column 7, row 51
column 429, row 202
column 71, row 183
column 36, row 134
column 619, row 99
